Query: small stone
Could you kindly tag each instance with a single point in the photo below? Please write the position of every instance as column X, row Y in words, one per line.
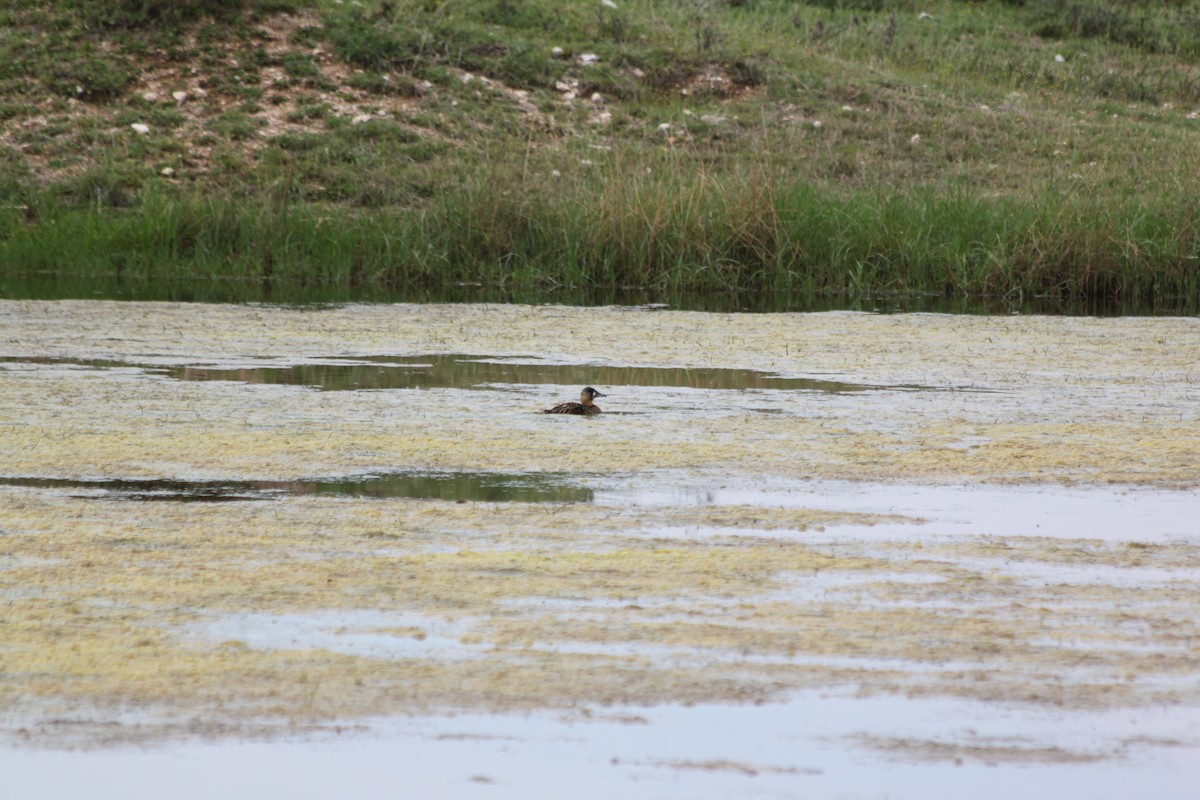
column 588, row 58
column 609, row 4
column 167, row 172
column 556, row 52
column 180, row 96
column 1059, row 58
column 140, row 128
column 597, row 98
column 916, row 139
column 150, row 97
column 361, row 118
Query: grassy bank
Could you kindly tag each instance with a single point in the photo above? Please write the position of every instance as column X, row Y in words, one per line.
column 985, row 149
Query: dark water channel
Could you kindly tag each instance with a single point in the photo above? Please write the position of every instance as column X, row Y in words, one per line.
column 463, row 371
column 456, row 486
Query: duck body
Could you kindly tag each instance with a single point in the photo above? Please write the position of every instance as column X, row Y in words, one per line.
column 584, row 407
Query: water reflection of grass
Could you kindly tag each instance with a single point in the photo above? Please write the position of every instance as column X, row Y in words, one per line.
column 465, row 371
column 459, row 487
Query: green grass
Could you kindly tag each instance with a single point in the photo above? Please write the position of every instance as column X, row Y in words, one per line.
column 1007, row 150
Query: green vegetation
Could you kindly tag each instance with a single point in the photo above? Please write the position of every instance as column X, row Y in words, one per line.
column 849, row 148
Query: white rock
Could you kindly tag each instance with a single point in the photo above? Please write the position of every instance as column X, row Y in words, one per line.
column 1059, row 58
column 664, row 127
column 916, row 139
column 597, row 98
column 167, row 172
column 180, row 96
column 608, row 4
column 556, row 51
column 140, row 128
column 924, row 15
column 361, row 118
column 588, row 58
column 555, row 173
column 149, row 97
column 816, row 123
column 847, row 108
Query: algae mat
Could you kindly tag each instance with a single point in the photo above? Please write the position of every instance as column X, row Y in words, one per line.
column 239, row 521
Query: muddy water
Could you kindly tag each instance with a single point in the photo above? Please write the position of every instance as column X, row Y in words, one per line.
column 911, row 553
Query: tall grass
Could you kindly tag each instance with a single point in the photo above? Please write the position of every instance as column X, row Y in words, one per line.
column 689, row 231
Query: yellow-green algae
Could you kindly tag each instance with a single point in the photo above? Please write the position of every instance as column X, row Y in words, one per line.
column 1095, row 400
column 101, row 600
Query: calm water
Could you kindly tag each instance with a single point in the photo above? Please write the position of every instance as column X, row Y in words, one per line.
column 55, row 287
column 463, row 371
column 458, row 486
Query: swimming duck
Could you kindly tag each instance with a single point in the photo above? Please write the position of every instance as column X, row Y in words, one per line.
column 584, row 406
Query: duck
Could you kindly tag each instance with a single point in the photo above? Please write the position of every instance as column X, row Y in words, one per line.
column 584, row 406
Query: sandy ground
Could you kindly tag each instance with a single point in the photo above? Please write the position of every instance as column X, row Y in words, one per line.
column 998, row 510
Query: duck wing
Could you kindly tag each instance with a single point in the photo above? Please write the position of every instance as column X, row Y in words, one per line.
column 566, row 408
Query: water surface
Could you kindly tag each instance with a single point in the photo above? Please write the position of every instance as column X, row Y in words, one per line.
column 466, row 371
column 457, row 486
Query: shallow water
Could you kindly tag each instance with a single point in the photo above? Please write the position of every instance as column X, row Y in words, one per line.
column 474, row 371
column 798, row 555
column 456, row 486
column 797, row 749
